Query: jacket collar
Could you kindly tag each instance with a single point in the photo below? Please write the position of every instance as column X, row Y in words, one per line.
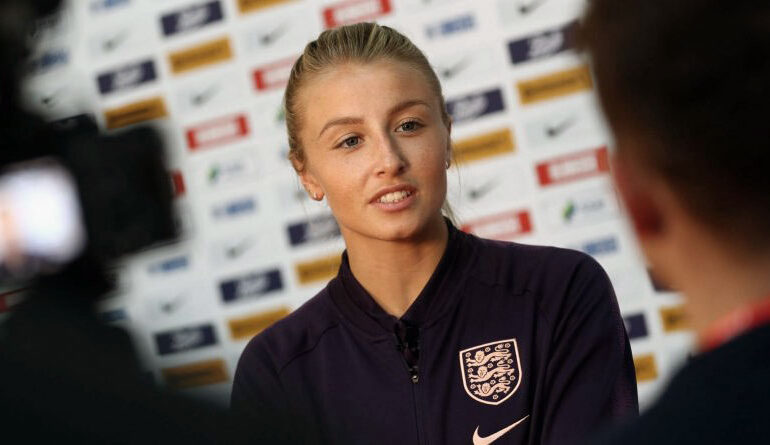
column 359, row 308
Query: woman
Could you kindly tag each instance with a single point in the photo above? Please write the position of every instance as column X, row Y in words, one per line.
column 427, row 334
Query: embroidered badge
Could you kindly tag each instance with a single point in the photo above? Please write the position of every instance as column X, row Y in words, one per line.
column 491, row 372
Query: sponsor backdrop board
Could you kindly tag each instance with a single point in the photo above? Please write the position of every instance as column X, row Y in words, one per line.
column 531, row 159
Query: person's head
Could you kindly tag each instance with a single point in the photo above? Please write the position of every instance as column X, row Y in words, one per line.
column 365, row 116
column 685, row 85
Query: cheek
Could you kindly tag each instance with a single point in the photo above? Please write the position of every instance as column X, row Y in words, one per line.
column 431, row 156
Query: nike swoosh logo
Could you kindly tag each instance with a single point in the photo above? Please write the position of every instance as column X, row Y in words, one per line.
column 234, row 251
column 110, row 44
column 50, row 99
column 453, row 70
column 170, row 306
column 272, row 36
column 478, row 440
column 527, row 9
column 478, row 192
column 553, row 131
column 204, row 96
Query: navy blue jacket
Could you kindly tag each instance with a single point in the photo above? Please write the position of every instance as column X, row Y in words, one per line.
column 507, row 343
column 720, row 397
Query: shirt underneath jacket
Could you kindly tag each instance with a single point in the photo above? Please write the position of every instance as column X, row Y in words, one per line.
column 507, row 343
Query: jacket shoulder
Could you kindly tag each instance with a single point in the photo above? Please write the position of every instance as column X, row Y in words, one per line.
column 297, row 333
column 523, row 267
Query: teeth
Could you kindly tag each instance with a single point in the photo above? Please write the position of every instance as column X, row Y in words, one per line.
column 394, row 196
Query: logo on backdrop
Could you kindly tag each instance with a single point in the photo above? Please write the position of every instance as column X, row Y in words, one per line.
column 455, row 25
column 486, row 145
column 257, row 39
column 234, row 208
column 191, row 18
column 646, row 367
column 473, row 106
column 229, row 170
column 246, row 6
column 169, row 265
column 107, row 43
column 214, row 51
column 217, row 132
column 354, row 11
column 674, row 319
column 580, row 208
column 636, row 326
column 48, row 61
column 491, row 372
column 319, row 269
column 136, row 112
column 544, row 44
column 316, row 230
column 274, row 75
column 600, row 246
column 185, row 339
column 178, row 184
column 97, row 6
column 247, row 327
column 573, row 167
column 551, row 86
column 129, row 76
column 501, row 226
column 254, row 285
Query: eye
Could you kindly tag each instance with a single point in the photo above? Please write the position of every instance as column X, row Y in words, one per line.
column 409, row 126
column 350, row 142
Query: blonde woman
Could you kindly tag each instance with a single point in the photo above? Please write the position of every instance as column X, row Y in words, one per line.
column 427, row 334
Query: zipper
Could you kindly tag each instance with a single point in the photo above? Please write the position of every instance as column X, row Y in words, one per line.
column 417, row 417
column 407, row 343
column 414, row 377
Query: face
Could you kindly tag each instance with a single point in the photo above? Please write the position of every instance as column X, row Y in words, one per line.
column 376, row 147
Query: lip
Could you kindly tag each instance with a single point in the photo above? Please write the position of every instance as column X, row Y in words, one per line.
column 396, row 188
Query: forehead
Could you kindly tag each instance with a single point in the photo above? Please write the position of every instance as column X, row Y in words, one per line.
column 362, row 89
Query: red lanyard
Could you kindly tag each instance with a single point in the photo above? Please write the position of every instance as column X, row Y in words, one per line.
column 734, row 324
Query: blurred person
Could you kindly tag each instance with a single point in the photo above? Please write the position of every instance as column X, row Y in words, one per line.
column 427, row 334
column 72, row 203
column 686, row 88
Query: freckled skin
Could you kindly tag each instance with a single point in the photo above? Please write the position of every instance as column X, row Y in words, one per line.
column 349, row 163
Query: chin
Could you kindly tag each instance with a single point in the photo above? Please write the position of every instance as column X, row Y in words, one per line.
column 403, row 229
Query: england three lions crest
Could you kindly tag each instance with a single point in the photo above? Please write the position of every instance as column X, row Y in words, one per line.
column 491, row 372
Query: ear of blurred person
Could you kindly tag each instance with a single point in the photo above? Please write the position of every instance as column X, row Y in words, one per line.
column 714, row 273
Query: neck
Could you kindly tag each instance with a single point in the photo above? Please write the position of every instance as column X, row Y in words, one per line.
column 399, row 270
column 717, row 285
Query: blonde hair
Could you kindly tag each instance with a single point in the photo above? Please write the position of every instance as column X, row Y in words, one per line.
column 358, row 43
column 362, row 43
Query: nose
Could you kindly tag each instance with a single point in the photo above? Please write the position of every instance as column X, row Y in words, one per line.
column 390, row 157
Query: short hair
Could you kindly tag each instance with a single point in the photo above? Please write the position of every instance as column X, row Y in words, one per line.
column 692, row 78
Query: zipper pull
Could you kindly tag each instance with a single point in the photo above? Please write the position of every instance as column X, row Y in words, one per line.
column 413, row 374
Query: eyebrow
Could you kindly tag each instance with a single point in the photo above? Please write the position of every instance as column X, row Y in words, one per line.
column 357, row 120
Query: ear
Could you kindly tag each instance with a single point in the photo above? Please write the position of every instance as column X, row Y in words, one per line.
column 308, row 179
column 639, row 196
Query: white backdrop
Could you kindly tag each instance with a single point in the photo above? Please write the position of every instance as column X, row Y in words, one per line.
column 531, row 158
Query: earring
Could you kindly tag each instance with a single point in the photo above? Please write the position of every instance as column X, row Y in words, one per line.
column 447, row 164
column 315, row 196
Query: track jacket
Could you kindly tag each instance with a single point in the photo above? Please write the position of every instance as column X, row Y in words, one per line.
column 506, row 344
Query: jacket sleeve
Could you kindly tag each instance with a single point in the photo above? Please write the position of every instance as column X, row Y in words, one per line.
column 590, row 378
column 258, row 399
